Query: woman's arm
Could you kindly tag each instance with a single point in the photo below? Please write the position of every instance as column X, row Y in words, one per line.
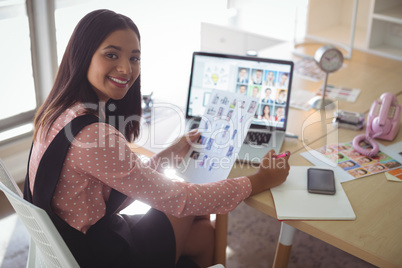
column 272, row 172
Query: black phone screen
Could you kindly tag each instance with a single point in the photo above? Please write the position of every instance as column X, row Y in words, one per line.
column 320, row 181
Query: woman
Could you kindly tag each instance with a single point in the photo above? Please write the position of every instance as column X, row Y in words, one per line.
column 93, row 111
column 266, row 113
column 269, row 79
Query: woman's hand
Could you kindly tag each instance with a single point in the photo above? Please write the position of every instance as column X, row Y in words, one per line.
column 271, row 172
column 174, row 154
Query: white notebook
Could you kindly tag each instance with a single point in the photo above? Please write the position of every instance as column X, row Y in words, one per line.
column 294, row 202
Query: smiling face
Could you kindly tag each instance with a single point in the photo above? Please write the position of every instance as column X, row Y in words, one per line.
column 270, row 76
column 266, row 110
column 115, row 65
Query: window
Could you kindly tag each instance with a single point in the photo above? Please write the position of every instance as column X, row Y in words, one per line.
column 17, row 91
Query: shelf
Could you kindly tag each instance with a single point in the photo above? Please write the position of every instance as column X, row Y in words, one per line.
column 378, row 27
column 384, row 36
column 393, row 15
column 387, row 51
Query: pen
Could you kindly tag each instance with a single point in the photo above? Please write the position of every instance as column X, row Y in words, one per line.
column 282, row 155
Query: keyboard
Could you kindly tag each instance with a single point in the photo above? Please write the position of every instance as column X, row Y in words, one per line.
column 257, row 137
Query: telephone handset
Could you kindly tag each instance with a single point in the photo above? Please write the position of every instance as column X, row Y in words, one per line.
column 382, row 123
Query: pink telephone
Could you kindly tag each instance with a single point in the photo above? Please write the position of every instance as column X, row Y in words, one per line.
column 382, row 123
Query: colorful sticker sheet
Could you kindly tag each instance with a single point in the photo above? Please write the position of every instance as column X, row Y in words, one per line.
column 223, row 128
column 356, row 164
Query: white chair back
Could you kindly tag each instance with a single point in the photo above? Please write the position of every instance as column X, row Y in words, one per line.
column 47, row 247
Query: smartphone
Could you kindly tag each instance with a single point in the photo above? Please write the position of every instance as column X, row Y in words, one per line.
column 320, row 181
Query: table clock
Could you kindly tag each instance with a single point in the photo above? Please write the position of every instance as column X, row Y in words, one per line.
column 329, row 59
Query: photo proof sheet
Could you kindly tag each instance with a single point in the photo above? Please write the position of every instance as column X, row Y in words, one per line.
column 223, row 128
column 350, row 164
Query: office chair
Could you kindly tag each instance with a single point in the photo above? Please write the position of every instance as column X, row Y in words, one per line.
column 47, row 248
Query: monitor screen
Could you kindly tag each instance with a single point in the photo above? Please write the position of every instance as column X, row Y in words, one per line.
column 267, row 79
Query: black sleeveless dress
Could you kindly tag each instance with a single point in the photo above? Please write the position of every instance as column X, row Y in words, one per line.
column 115, row 240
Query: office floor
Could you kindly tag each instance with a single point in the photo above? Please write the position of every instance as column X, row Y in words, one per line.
column 252, row 238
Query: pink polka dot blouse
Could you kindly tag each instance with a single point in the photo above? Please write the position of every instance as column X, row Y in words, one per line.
column 99, row 159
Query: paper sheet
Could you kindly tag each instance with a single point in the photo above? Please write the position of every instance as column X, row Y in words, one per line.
column 300, row 99
column 396, row 174
column 223, row 128
column 340, row 93
column 349, row 164
column 308, row 69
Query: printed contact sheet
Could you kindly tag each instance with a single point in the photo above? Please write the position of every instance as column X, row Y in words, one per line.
column 350, row 164
column 223, row 129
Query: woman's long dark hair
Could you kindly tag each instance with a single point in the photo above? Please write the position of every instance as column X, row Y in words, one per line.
column 71, row 84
